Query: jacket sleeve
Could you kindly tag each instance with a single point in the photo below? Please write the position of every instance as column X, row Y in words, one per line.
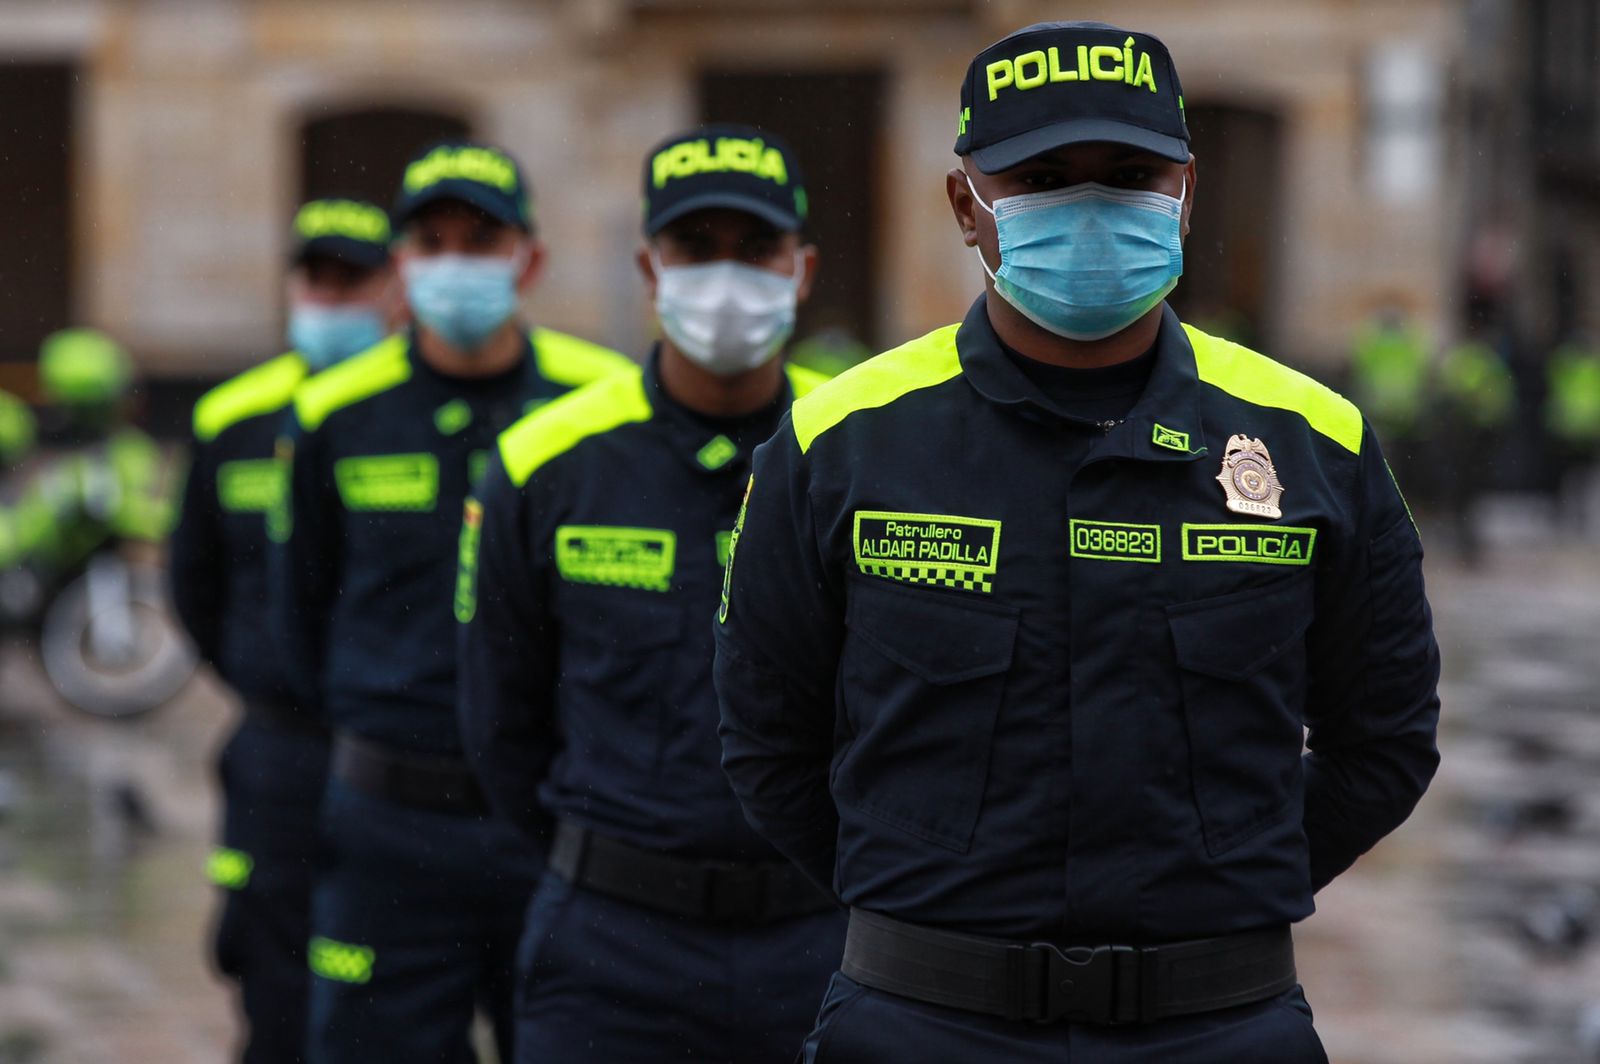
column 507, row 649
column 1373, row 704
column 195, row 563
column 304, row 560
column 778, row 637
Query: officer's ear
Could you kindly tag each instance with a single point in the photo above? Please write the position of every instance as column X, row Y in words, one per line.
column 647, row 268
column 1188, row 195
column 534, row 267
column 809, row 260
column 963, row 204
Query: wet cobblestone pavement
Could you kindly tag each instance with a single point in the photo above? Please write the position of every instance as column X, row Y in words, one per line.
column 1468, row 936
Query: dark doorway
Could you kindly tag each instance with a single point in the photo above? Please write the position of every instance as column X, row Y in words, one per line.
column 363, row 153
column 1231, row 257
column 36, row 213
column 833, row 121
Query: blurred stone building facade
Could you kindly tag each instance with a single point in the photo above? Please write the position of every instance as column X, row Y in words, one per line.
column 155, row 149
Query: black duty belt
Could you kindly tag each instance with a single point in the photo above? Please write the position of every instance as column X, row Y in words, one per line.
column 435, row 782
column 720, row 892
column 1083, row 984
column 281, row 717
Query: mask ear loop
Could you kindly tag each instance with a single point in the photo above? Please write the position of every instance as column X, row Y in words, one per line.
column 981, row 261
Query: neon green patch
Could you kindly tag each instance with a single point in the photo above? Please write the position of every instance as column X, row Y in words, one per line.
column 280, row 516
column 477, row 466
column 1257, row 544
column 340, row 961
column 1171, row 439
column 452, row 417
column 252, row 485
column 936, row 549
column 467, row 561
column 718, row 453
column 229, row 868
column 724, row 542
column 642, row 558
column 1115, row 541
column 733, row 546
column 407, row 482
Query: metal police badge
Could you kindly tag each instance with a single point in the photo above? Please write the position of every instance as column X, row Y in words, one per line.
column 1249, row 479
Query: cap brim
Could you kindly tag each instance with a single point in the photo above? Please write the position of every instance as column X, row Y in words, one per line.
column 356, row 252
column 764, row 209
column 495, row 204
column 1013, row 150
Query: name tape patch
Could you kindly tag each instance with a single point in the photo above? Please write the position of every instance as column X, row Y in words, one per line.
column 1258, row 544
column 936, row 549
column 251, row 485
column 1115, row 541
column 641, row 558
column 407, row 482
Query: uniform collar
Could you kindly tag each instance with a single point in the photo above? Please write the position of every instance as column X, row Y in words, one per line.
column 705, row 445
column 1164, row 424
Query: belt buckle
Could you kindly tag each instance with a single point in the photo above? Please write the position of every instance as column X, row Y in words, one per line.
column 735, row 893
column 1082, row 984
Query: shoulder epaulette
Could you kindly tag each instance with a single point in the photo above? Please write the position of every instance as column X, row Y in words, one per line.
column 803, row 380
column 373, row 371
column 923, row 363
column 557, row 427
column 1255, row 378
column 573, row 362
column 258, row 390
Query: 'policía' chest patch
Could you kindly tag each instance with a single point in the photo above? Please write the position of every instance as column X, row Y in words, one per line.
column 641, row 558
column 935, row 549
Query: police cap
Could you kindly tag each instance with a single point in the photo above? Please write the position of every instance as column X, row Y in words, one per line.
column 1059, row 83
column 349, row 230
column 724, row 165
column 478, row 175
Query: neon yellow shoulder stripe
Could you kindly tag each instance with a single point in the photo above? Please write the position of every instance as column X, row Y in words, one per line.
column 559, row 426
column 573, row 362
column 258, row 390
column 804, row 381
column 923, row 363
column 373, row 371
column 1257, row 379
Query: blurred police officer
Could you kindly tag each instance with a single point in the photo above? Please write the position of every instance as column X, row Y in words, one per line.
column 417, row 915
column 1025, row 618
column 664, row 926
column 342, row 300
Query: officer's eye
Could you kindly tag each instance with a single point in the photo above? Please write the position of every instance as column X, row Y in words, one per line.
column 1134, row 175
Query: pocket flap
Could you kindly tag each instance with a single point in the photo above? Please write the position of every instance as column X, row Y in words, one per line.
column 625, row 620
column 942, row 641
column 1232, row 636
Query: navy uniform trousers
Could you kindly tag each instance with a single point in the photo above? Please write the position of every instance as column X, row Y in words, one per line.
column 602, row 980
column 272, row 783
column 415, row 924
column 860, row 1025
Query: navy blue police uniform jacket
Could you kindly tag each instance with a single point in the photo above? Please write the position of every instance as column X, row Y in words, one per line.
column 986, row 667
column 589, row 579
column 381, row 451
column 218, row 550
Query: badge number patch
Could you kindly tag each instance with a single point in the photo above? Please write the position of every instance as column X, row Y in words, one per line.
column 1113, row 541
column 642, row 558
column 1258, row 544
column 935, row 549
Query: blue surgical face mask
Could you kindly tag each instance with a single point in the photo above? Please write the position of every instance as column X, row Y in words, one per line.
column 329, row 334
column 462, row 298
column 1087, row 261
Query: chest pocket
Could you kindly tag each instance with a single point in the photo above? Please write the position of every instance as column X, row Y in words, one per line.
column 623, row 649
column 1242, row 663
column 388, row 482
column 924, row 676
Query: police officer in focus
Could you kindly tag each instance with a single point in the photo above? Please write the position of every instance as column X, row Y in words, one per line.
column 416, row 917
column 342, row 300
column 1025, row 619
column 664, row 927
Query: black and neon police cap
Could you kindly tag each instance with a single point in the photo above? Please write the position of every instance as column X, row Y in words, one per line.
column 350, row 230
column 478, row 175
column 1059, row 83
column 737, row 167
